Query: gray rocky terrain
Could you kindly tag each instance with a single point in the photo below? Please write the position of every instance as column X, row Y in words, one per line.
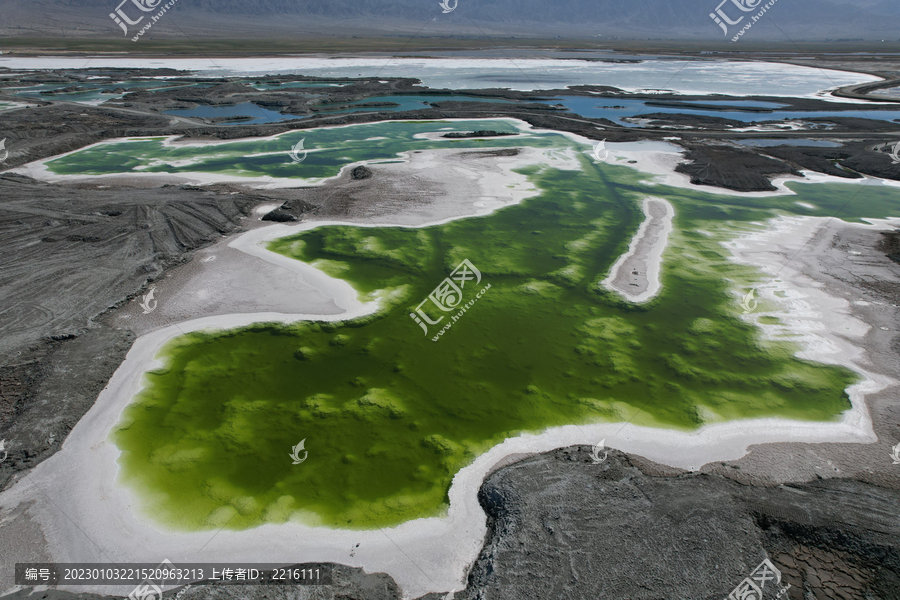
column 69, row 254
column 563, row 527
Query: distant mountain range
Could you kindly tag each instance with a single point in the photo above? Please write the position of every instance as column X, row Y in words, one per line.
column 785, row 21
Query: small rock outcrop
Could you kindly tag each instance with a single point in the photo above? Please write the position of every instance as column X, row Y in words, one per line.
column 361, row 172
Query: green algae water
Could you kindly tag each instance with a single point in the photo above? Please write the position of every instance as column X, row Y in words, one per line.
column 389, row 416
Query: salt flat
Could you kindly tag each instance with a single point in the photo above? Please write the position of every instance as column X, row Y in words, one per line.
column 738, row 78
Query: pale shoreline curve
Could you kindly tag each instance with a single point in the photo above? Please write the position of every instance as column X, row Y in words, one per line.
column 424, row 555
column 639, row 267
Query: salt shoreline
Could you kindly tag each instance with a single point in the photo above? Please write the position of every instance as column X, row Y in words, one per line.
column 443, row 547
column 644, row 252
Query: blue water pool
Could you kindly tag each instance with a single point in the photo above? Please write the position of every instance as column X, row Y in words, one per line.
column 249, row 109
column 615, row 109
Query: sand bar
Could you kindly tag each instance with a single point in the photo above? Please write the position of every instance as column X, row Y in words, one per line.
column 636, row 274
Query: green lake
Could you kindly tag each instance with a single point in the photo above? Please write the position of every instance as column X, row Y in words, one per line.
column 388, row 415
